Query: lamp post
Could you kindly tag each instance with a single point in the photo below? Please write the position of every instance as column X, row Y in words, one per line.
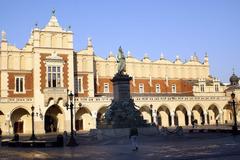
column 151, row 106
column 234, row 127
column 33, row 137
column 72, row 141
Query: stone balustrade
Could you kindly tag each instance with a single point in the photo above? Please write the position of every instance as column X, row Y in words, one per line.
column 18, row 100
column 161, row 98
column 136, row 99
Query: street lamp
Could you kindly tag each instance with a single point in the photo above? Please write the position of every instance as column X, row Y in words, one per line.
column 151, row 106
column 234, row 127
column 33, row 137
column 72, row 141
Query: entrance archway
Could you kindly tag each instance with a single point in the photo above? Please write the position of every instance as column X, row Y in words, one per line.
column 228, row 114
column 83, row 119
column 2, row 121
column 197, row 114
column 164, row 116
column 146, row 113
column 21, row 121
column 54, row 119
column 181, row 118
column 213, row 115
column 101, row 115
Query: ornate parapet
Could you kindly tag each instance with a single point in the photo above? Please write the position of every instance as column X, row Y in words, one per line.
column 160, row 98
column 16, row 100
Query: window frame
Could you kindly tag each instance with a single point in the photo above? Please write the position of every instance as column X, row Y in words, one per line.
column 202, row 88
column 158, row 88
column 78, row 86
column 141, row 88
column 106, row 88
column 216, row 87
column 18, row 91
column 174, row 88
column 58, row 76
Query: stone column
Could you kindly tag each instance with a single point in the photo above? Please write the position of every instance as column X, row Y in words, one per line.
column 221, row 117
column 155, row 120
column 172, row 118
column 94, row 119
column 205, row 118
column 189, row 118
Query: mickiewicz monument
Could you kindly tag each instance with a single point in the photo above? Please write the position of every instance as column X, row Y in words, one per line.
column 122, row 112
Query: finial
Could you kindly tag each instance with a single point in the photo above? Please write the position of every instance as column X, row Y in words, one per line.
column 89, row 42
column 69, row 27
column 233, row 69
column 129, row 54
column 36, row 25
column 53, row 12
column 145, row 55
column 177, row 57
column 162, row 56
column 191, row 58
column 206, row 54
column 110, row 54
column 4, row 38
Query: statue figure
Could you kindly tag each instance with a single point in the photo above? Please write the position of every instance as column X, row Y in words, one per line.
column 121, row 62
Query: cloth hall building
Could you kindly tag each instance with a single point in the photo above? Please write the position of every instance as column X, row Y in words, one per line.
column 43, row 72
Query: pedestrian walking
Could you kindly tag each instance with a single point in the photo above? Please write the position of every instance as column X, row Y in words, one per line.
column 133, row 134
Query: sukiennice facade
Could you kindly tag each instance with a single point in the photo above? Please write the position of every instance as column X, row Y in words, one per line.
column 43, row 72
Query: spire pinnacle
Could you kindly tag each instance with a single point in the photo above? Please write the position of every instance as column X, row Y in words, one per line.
column 206, row 54
column 145, row 56
column 89, row 42
column 161, row 56
column 4, row 37
column 129, row 54
column 53, row 12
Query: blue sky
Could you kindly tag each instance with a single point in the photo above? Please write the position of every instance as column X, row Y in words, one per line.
column 174, row 27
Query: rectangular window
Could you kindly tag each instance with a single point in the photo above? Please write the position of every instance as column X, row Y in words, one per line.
column 106, row 88
column 54, row 76
column 80, row 85
column 141, row 88
column 202, row 88
column 216, row 88
column 19, row 85
column 174, row 88
column 158, row 90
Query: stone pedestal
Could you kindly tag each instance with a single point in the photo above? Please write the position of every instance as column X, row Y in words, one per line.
column 122, row 112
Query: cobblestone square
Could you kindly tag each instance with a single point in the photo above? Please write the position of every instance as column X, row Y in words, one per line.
column 189, row 146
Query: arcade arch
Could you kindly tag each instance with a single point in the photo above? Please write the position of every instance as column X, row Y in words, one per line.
column 228, row 114
column 163, row 114
column 2, row 120
column 181, row 118
column 54, row 119
column 101, row 114
column 213, row 114
column 84, row 120
column 21, row 120
column 146, row 113
column 198, row 114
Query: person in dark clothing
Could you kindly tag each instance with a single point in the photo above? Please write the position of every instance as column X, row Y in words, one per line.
column 133, row 136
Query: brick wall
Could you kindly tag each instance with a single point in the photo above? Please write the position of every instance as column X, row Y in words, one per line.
column 28, row 84
column 181, row 85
